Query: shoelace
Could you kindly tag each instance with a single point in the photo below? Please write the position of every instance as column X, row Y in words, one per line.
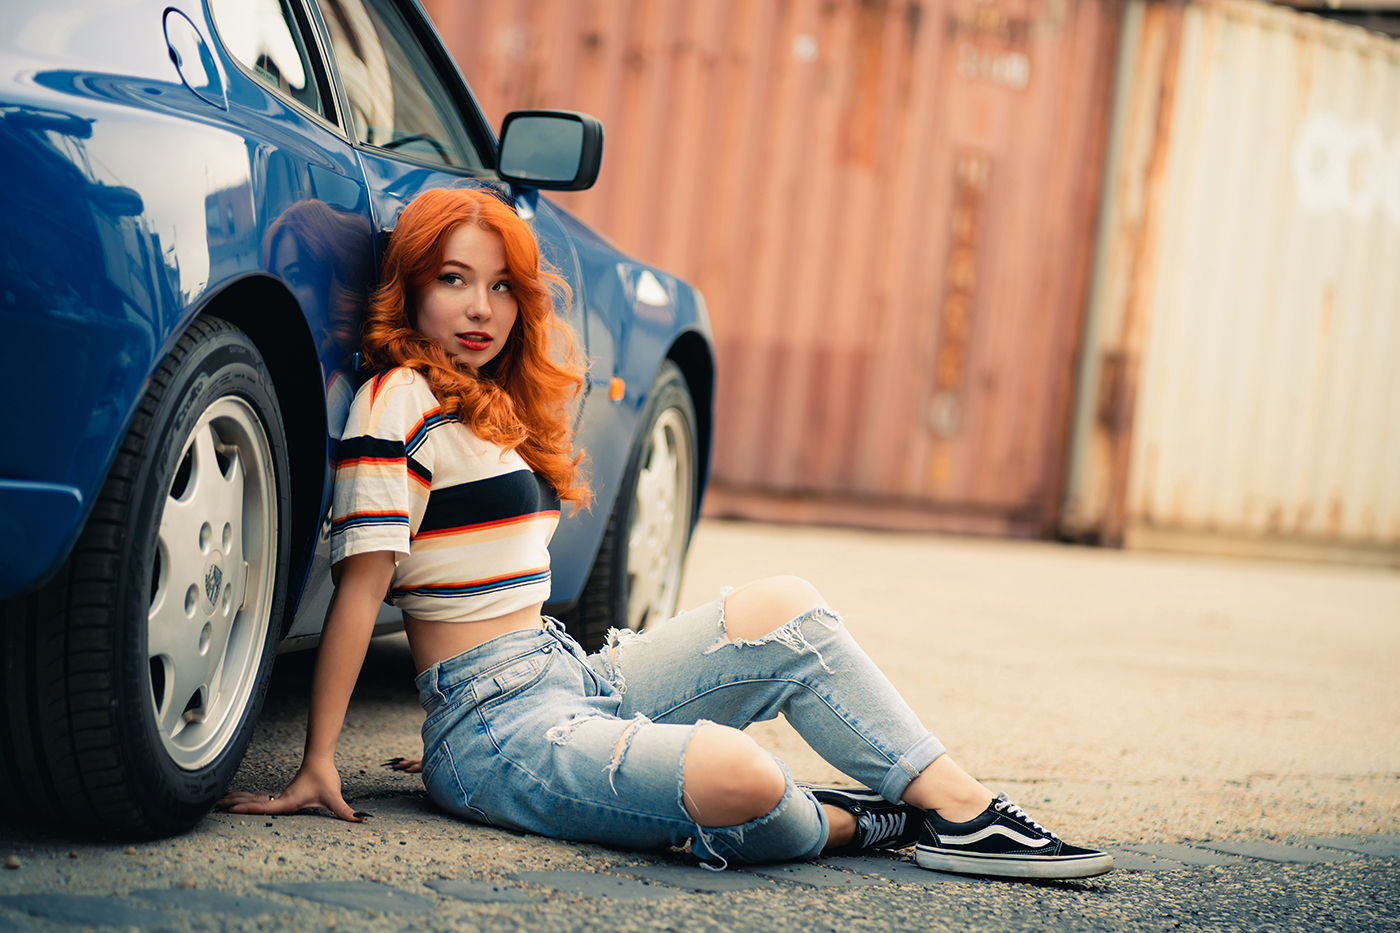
column 1015, row 812
column 881, row 827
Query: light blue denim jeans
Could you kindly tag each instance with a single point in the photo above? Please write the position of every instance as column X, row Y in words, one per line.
column 528, row 732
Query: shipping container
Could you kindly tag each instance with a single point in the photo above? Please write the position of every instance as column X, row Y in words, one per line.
column 889, row 205
column 1240, row 388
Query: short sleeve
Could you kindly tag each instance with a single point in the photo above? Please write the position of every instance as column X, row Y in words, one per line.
column 383, row 471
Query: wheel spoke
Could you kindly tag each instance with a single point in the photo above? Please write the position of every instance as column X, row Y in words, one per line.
column 181, row 522
column 165, row 625
column 185, row 675
column 224, row 497
column 169, row 718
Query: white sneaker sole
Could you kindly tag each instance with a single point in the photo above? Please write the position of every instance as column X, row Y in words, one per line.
column 1014, row 866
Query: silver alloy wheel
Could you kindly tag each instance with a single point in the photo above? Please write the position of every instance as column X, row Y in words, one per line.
column 660, row 529
column 212, row 585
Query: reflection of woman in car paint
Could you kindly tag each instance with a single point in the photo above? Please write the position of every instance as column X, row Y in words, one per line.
column 449, row 479
column 323, row 255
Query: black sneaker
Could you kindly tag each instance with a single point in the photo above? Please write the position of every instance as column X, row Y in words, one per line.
column 879, row 823
column 1004, row 842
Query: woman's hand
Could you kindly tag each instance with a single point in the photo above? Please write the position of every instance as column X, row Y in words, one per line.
column 313, row 786
column 407, row 765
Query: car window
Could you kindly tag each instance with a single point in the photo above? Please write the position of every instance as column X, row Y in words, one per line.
column 263, row 35
column 397, row 99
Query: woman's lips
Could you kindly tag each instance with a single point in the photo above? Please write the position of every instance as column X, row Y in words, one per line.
column 474, row 340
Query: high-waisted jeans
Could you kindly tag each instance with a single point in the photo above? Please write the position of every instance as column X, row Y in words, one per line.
column 526, row 731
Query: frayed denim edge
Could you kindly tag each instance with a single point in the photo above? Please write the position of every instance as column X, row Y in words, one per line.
column 736, row 833
column 700, row 833
column 788, row 634
column 624, row 745
column 564, row 732
column 617, row 638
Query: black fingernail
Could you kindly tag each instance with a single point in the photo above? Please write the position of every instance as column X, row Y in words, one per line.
column 362, row 814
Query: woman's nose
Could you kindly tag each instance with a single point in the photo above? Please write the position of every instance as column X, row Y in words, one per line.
column 478, row 303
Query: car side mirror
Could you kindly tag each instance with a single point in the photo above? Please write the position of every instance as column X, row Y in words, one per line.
column 556, row 149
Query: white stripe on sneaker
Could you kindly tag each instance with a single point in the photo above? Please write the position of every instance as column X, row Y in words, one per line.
column 1035, row 842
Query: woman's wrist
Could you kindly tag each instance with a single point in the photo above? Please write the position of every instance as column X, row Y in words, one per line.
column 318, row 760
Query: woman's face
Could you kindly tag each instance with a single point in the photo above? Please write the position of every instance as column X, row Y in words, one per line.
column 468, row 309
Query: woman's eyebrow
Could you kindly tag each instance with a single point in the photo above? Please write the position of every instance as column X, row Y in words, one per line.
column 466, row 265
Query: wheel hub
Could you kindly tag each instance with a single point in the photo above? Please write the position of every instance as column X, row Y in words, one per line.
column 213, row 582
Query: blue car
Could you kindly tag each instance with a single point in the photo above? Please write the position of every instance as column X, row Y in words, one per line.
column 195, row 198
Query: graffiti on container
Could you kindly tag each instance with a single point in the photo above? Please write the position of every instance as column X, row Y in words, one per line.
column 1347, row 166
column 971, row 173
column 991, row 45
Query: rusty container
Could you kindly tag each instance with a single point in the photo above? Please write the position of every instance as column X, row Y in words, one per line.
column 889, row 206
column 1242, row 354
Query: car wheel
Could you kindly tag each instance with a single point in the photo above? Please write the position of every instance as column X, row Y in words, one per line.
column 636, row 575
column 133, row 679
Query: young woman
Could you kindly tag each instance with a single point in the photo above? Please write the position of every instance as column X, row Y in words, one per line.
column 448, row 486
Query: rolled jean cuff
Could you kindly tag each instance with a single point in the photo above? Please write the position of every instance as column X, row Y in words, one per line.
column 910, row 765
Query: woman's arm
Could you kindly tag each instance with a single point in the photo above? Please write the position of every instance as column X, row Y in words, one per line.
column 363, row 581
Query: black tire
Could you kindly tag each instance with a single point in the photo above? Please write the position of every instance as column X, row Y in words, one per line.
column 636, row 575
column 133, row 679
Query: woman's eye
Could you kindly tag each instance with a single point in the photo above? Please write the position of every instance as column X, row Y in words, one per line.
column 450, row 278
column 502, row 286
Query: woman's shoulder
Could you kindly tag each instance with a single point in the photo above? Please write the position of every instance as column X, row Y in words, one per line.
column 397, row 385
column 401, row 390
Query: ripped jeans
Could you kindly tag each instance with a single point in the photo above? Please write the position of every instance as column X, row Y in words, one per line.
column 526, row 731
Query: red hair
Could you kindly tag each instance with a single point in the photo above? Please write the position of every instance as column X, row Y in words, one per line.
column 520, row 399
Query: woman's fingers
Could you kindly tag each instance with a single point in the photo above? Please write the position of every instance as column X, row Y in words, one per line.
column 346, row 812
column 408, row 765
column 278, row 804
column 246, row 802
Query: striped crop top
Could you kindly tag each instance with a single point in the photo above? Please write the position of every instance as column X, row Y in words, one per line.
column 468, row 521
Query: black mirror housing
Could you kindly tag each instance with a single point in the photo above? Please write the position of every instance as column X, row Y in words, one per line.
column 561, row 150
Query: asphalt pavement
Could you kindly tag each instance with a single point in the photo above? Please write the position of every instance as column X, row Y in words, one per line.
column 1229, row 729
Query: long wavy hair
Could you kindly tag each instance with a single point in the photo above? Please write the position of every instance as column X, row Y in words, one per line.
column 520, row 399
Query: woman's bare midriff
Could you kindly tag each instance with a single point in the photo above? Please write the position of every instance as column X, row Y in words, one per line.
column 432, row 642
